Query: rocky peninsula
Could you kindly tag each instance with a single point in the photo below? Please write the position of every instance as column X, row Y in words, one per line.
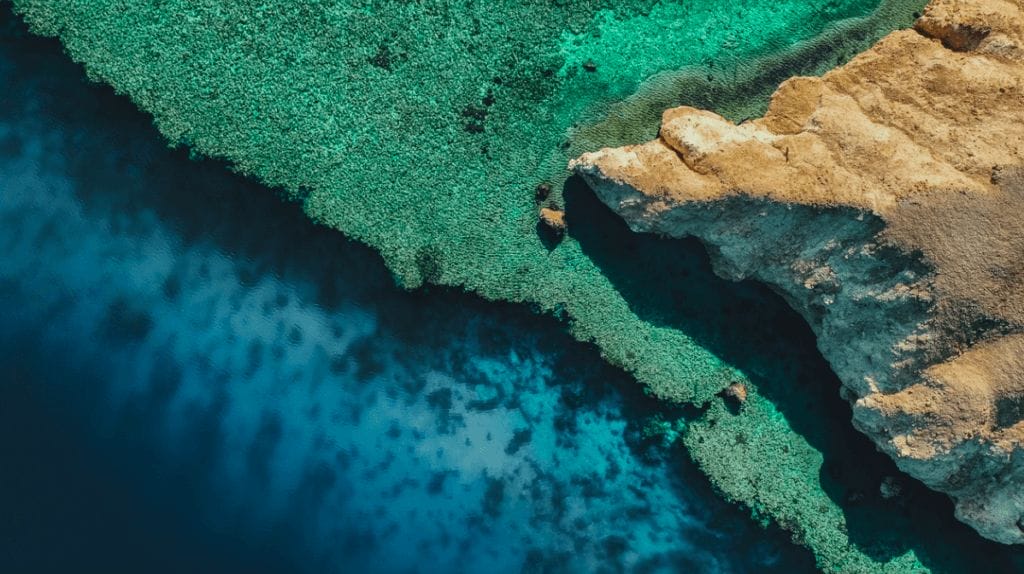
column 883, row 201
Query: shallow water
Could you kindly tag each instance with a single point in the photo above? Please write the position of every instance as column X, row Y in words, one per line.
column 195, row 378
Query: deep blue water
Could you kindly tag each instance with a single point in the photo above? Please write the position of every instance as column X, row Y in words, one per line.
column 194, row 378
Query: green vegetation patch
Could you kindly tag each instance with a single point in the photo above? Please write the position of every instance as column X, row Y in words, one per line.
column 423, row 128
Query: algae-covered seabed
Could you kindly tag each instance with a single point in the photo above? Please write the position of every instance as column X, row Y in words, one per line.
column 422, row 128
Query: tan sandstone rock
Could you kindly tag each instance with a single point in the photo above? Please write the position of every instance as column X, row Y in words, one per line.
column 553, row 218
column 885, row 201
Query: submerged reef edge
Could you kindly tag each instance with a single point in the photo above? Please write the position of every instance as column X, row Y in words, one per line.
column 776, row 472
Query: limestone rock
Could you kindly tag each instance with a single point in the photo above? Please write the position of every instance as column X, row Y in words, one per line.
column 554, row 219
column 885, row 202
column 736, row 392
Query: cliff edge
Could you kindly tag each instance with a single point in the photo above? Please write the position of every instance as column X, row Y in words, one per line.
column 885, row 202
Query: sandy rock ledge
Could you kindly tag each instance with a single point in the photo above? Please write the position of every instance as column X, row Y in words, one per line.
column 885, row 202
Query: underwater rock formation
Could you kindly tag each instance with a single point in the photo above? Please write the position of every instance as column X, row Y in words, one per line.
column 884, row 202
column 553, row 219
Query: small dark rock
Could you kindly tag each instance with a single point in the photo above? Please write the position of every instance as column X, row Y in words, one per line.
column 890, row 488
column 542, row 192
column 382, row 59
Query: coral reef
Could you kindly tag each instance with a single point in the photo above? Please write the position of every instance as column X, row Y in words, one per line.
column 429, row 130
column 883, row 202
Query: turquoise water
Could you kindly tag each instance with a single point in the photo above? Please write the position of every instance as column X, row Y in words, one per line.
column 196, row 378
column 423, row 129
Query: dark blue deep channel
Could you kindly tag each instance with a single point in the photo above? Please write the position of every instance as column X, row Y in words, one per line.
column 194, row 378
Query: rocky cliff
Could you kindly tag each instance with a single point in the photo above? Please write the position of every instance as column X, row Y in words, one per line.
column 885, row 202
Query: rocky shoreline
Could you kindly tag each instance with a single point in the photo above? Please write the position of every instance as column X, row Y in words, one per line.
column 883, row 202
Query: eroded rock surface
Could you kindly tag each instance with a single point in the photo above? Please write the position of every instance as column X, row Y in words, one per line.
column 885, row 202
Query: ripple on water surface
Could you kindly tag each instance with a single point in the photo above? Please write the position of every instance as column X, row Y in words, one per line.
column 222, row 386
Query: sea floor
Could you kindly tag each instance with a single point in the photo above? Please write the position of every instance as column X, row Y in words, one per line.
column 195, row 377
column 423, row 129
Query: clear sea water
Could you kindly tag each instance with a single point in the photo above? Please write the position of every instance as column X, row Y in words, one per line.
column 195, row 378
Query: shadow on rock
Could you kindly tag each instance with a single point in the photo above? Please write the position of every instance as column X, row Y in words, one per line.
column 669, row 282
